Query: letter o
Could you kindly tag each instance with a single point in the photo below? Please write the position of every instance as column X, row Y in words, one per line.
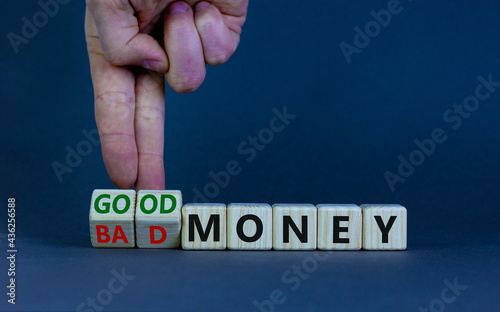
column 268, row 133
column 142, row 204
column 472, row 99
column 311, row 260
column 241, row 233
column 368, row 27
column 214, row 187
column 101, row 294
column 43, row 16
column 432, row 305
column 115, row 204
column 416, row 161
column 84, row 151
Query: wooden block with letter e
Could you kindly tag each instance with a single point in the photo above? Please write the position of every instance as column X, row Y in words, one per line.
column 111, row 218
column 249, row 227
column 158, row 219
column 294, row 226
column 204, row 226
column 339, row 227
column 384, row 227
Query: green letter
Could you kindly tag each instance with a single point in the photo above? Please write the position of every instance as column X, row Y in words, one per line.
column 115, row 204
column 143, row 200
column 105, row 205
column 174, row 203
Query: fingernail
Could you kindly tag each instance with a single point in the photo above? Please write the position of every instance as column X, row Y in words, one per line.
column 202, row 5
column 177, row 7
column 157, row 66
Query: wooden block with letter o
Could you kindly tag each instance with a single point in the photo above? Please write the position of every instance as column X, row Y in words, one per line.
column 111, row 218
column 339, row 227
column 294, row 226
column 249, row 227
column 384, row 227
column 204, row 226
column 158, row 219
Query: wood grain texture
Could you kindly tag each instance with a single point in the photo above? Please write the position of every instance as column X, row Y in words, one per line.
column 237, row 214
column 296, row 213
column 159, row 213
column 373, row 238
column 351, row 229
column 113, row 217
column 212, row 220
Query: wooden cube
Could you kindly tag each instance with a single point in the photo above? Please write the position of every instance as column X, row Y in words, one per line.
column 294, row 226
column 204, row 226
column 384, row 227
column 111, row 218
column 249, row 227
column 158, row 219
column 339, row 227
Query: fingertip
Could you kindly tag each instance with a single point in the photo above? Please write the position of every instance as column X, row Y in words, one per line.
column 217, row 41
column 185, row 83
column 121, row 164
column 201, row 5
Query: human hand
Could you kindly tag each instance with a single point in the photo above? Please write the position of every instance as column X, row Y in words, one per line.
column 129, row 103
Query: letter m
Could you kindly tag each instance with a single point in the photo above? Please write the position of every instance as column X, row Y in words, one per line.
column 194, row 220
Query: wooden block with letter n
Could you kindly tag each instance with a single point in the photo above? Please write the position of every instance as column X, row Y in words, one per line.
column 111, row 218
column 339, row 227
column 294, row 226
column 384, row 227
column 204, row 226
column 158, row 219
column 249, row 227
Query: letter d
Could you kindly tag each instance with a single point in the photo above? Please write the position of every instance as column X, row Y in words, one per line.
column 28, row 30
column 361, row 35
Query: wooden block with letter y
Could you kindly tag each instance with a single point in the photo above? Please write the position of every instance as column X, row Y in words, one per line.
column 111, row 218
column 384, row 227
column 158, row 219
column 294, row 226
column 204, row 226
column 249, row 227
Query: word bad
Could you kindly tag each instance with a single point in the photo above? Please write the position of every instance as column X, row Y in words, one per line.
column 158, row 219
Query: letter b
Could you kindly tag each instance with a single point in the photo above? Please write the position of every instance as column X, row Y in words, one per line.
column 382, row 16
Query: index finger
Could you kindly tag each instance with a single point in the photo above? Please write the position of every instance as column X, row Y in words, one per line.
column 114, row 111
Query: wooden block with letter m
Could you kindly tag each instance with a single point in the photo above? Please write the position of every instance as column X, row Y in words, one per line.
column 204, row 226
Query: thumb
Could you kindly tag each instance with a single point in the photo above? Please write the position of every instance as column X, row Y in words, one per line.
column 121, row 41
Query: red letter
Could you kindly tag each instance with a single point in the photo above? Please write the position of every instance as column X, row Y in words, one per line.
column 119, row 234
column 152, row 239
column 102, row 230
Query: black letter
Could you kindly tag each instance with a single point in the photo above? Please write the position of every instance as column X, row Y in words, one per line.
column 337, row 229
column 385, row 229
column 287, row 223
column 258, row 232
column 195, row 220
